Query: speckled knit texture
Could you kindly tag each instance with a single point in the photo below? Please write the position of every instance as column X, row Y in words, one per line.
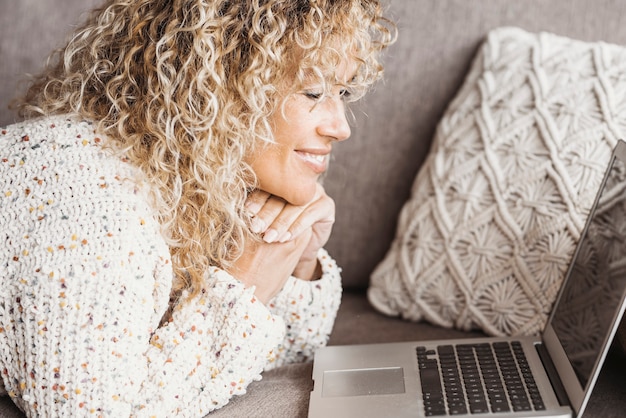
column 86, row 276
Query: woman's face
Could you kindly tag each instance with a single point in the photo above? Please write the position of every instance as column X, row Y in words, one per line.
column 304, row 134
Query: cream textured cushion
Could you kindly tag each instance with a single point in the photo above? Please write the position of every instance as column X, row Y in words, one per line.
column 498, row 206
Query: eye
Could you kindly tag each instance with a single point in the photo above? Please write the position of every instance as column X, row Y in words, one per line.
column 312, row 95
column 345, row 94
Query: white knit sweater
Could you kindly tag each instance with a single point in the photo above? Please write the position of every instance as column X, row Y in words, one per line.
column 86, row 277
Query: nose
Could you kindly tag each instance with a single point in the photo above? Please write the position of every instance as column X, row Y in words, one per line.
column 335, row 123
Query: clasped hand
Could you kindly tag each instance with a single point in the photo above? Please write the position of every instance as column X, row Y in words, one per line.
column 290, row 239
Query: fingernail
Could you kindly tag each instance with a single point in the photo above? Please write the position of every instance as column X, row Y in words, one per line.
column 286, row 237
column 270, row 235
column 257, row 226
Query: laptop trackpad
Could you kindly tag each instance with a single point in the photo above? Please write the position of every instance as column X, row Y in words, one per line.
column 360, row 382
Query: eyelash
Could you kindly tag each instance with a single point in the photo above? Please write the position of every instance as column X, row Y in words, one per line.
column 312, row 95
column 343, row 93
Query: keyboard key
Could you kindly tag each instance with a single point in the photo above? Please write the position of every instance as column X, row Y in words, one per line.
column 479, row 408
column 480, row 378
column 499, row 405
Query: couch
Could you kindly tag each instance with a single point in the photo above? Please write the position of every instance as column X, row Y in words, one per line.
column 371, row 174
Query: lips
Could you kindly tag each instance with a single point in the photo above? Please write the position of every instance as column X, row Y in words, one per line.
column 317, row 160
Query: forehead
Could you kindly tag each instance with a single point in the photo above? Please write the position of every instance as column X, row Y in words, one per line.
column 342, row 72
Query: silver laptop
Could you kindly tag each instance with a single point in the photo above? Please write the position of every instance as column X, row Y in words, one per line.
column 551, row 375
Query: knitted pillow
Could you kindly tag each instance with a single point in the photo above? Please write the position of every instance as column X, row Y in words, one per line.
column 500, row 202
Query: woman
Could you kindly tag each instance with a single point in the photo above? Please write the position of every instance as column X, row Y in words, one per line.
column 162, row 217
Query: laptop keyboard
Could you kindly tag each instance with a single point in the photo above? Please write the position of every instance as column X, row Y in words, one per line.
column 477, row 378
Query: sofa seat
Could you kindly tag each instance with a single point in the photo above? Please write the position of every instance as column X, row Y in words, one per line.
column 284, row 392
column 371, row 175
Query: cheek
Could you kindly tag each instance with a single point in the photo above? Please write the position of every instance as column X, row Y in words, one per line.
column 277, row 177
column 268, row 166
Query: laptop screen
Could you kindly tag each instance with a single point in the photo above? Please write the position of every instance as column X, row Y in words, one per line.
column 583, row 317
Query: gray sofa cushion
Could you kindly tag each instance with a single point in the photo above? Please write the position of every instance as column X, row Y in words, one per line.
column 371, row 174
column 284, row 392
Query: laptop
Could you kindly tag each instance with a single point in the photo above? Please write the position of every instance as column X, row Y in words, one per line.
column 551, row 375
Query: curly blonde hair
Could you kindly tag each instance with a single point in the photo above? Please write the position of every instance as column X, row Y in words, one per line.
column 185, row 88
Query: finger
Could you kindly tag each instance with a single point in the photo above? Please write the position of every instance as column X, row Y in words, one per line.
column 320, row 211
column 278, row 230
column 255, row 201
column 266, row 215
column 292, row 221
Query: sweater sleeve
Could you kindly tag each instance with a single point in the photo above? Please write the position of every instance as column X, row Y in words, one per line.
column 86, row 278
column 309, row 309
column 216, row 343
column 98, row 356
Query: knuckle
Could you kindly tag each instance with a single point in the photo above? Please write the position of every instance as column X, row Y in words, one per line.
column 280, row 224
column 271, row 210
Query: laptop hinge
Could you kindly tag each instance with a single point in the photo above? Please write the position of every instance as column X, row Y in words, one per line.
column 555, row 380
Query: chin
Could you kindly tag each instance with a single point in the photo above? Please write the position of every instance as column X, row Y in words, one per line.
column 299, row 197
column 299, row 200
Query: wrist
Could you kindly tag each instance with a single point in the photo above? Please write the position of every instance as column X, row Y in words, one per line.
column 308, row 270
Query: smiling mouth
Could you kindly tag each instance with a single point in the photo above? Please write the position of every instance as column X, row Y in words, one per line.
column 313, row 157
column 317, row 162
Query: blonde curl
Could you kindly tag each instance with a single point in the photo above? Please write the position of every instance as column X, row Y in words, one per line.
column 185, row 87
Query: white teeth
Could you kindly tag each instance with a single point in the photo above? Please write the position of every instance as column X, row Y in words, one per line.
column 315, row 157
